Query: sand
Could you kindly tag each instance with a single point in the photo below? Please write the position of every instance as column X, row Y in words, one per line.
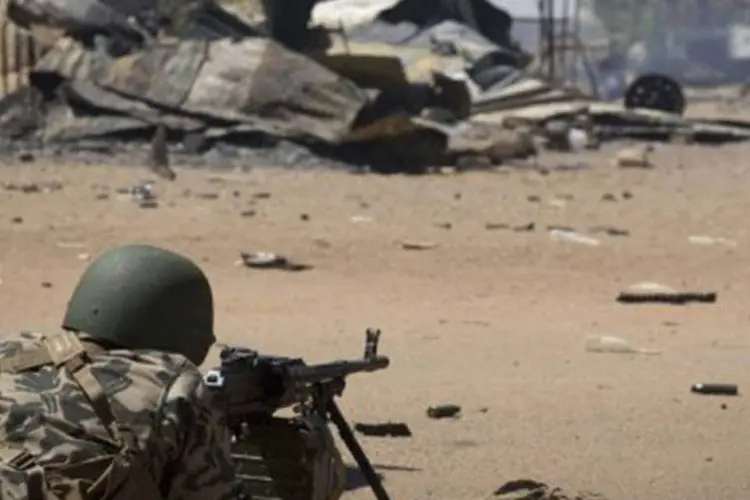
column 494, row 320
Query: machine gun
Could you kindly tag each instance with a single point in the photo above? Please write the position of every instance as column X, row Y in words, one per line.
column 288, row 458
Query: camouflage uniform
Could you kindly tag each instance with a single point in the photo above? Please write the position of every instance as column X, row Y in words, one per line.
column 159, row 396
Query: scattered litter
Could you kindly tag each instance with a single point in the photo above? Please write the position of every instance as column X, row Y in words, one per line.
column 34, row 187
column 207, row 196
column 142, row 194
column 609, row 231
column 528, row 489
column 635, row 157
column 570, row 236
column 709, row 241
column 558, row 203
column 444, row 411
column 360, row 218
column 417, row 245
column 388, row 429
column 614, row 345
column 268, row 260
column 715, row 389
column 492, row 226
column 646, row 292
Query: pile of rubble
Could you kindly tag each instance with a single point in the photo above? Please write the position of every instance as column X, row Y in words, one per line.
column 416, row 86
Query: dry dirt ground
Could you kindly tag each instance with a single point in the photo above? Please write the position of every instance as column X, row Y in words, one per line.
column 492, row 320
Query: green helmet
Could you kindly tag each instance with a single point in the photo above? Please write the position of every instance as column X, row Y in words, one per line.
column 144, row 297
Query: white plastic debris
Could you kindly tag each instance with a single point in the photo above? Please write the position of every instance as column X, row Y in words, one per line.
column 567, row 236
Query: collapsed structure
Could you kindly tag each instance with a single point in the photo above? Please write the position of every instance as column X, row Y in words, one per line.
column 418, row 83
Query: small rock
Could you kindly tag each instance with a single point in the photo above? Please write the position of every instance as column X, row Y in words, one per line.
column 262, row 195
column 608, row 197
column 627, row 195
column 534, row 198
column 102, row 196
column 444, row 225
column 304, row 217
column 16, row 220
column 248, row 213
column 46, row 284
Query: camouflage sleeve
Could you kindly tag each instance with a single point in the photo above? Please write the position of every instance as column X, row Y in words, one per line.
column 200, row 466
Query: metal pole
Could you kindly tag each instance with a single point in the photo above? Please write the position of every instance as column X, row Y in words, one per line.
column 356, row 450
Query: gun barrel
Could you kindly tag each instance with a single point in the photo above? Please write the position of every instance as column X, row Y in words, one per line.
column 335, row 369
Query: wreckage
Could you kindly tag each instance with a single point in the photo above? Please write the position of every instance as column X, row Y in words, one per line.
column 449, row 88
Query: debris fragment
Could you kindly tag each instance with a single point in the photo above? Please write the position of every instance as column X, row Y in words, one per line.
column 444, row 411
column 417, row 245
column 646, row 292
column 360, row 218
column 268, row 260
column 528, row 489
column 570, row 236
column 388, row 429
column 609, row 231
column 715, row 389
column 207, row 196
column 709, row 241
column 635, row 157
column 614, row 345
column 142, row 194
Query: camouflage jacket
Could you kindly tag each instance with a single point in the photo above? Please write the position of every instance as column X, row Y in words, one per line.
column 161, row 396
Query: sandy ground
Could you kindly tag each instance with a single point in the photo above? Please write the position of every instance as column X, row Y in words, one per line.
column 492, row 320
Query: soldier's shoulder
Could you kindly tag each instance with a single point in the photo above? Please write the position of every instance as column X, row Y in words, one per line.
column 161, row 367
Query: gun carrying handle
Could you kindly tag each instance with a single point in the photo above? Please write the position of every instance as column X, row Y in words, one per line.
column 356, row 450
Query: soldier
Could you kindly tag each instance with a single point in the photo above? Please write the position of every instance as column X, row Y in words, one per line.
column 114, row 407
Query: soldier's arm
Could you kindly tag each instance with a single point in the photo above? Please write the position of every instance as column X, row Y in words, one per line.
column 201, row 466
